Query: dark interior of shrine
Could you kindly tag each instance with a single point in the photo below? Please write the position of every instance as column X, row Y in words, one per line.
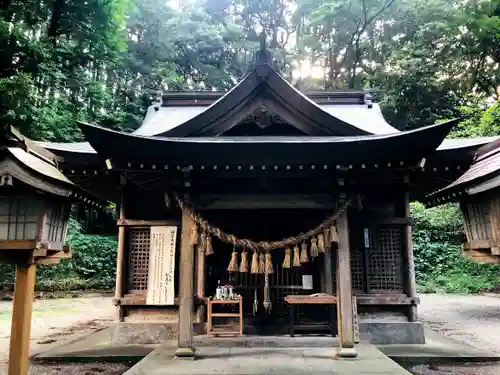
column 266, row 224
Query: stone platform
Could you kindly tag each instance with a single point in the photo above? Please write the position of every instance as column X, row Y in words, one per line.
column 261, row 360
column 104, row 346
column 374, row 332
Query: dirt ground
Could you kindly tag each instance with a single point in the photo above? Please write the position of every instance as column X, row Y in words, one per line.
column 56, row 321
column 474, row 320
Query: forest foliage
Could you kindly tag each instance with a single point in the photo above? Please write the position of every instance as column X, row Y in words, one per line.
column 103, row 61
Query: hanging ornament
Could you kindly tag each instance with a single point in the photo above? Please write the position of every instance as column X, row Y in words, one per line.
column 262, row 263
column 255, row 263
column 314, row 248
column 321, row 243
column 296, row 256
column 286, row 260
column 267, row 300
column 244, row 262
column 194, row 235
column 268, row 264
column 334, row 237
column 208, row 245
column 255, row 308
column 303, row 253
column 233, row 264
column 202, row 243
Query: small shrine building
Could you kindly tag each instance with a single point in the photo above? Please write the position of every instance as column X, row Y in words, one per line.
column 274, row 191
column 478, row 193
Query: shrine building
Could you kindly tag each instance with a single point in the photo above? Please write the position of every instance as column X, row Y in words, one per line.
column 478, row 193
column 296, row 199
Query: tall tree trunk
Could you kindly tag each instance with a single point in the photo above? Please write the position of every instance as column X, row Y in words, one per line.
column 55, row 21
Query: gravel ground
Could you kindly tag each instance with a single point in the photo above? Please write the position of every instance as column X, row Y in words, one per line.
column 474, row 320
column 56, row 321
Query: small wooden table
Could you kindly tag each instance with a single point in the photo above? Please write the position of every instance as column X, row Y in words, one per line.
column 211, row 315
column 321, row 299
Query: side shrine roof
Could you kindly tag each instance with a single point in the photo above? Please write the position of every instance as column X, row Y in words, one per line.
column 28, row 162
column 483, row 175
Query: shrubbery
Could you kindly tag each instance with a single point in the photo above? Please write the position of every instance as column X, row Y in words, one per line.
column 92, row 265
column 439, row 265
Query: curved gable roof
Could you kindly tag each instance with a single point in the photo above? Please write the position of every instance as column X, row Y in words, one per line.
column 265, row 87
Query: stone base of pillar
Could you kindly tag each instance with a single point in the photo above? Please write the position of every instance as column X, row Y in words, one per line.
column 347, row 353
column 185, row 353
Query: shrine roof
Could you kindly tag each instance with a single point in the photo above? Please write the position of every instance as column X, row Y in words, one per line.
column 482, row 175
column 33, row 165
column 336, row 116
column 406, row 145
column 448, row 144
column 346, row 112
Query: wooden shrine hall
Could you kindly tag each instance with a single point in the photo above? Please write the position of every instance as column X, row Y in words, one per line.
column 478, row 193
column 294, row 199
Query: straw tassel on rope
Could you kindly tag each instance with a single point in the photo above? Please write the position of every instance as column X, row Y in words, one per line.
column 287, row 260
column 194, row 235
column 262, row 263
column 321, row 243
column 326, row 238
column 233, row 264
column 255, row 263
column 303, row 254
column 296, row 256
column 334, row 237
column 244, row 261
column 268, row 264
column 208, row 245
column 314, row 248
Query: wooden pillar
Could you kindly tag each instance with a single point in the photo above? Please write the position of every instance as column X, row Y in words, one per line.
column 186, row 290
column 409, row 277
column 344, row 291
column 200, row 283
column 21, row 320
column 120, row 257
column 328, row 271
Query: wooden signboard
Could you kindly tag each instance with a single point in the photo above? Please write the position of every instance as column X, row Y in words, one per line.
column 161, row 289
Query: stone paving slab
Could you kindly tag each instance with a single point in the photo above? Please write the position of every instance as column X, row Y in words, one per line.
column 94, row 347
column 438, row 348
column 267, row 361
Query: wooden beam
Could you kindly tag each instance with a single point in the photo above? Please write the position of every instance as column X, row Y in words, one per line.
column 21, row 320
column 120, row 256
column 18, row 244
column 265, row 201
column 386, row 300
column 482, row 256
column 140, row 299
column 410, row 284
column 328, row 271
column 185, row 347
column 344, row 291
column 480, row 244
column 122, row 222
